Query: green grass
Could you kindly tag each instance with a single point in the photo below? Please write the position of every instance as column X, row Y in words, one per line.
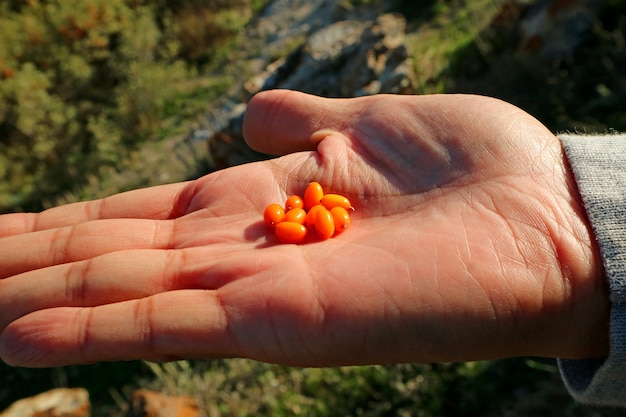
column 517, row 387
column 524, row 387
column 436, row 45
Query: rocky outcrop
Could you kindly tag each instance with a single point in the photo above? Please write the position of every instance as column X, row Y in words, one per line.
column 345, row 59
column 356, row 57
column 555, row 28
column 75, row 402
column 61, row 402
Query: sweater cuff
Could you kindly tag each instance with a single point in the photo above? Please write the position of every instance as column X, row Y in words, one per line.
column 599, row 167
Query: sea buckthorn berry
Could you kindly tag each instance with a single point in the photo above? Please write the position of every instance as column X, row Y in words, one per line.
column 335, row 200
column 310, row 216
column 295, row 215
column 294, row 201
column 324, row 224
column 290, row 232
column 341, row 218
column 273, row 214
column 312, row 195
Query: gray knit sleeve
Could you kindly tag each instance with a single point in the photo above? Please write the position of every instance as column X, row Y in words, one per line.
column 599, row 166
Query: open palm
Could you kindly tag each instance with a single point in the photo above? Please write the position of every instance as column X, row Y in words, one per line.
column 468, row 242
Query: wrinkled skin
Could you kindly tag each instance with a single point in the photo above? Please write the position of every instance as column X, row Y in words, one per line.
column 468, row 242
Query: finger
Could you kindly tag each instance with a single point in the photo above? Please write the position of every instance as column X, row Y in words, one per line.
column 234, row 319
column 120, row 276
column 189, row 323
column 27, row 252
column 279, row 122
column 161, row 202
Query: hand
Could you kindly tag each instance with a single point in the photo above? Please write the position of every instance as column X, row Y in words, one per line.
column 468, row 242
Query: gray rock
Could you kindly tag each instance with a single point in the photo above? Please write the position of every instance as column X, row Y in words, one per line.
column 557, row 28
column 345, row 59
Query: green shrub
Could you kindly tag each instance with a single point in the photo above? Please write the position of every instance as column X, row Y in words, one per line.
column 83, row 83
column 237, row 387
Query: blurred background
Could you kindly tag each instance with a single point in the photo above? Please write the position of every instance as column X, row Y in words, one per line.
column 102, row 96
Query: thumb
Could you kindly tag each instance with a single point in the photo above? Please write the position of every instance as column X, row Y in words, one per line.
column 279, row 122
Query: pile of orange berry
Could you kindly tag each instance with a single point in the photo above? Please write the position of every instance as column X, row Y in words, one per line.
column 325, row 215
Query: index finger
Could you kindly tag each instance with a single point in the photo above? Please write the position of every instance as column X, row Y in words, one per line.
column 158, row 203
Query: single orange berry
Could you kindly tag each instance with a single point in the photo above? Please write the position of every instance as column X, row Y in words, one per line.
column 290, row 232
column 310, row 216
column 294, row 201
column 341, row 218
column 312, row 195
column 295, row 215
column 324, row 224
column 273, row 214
column 335, row 200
